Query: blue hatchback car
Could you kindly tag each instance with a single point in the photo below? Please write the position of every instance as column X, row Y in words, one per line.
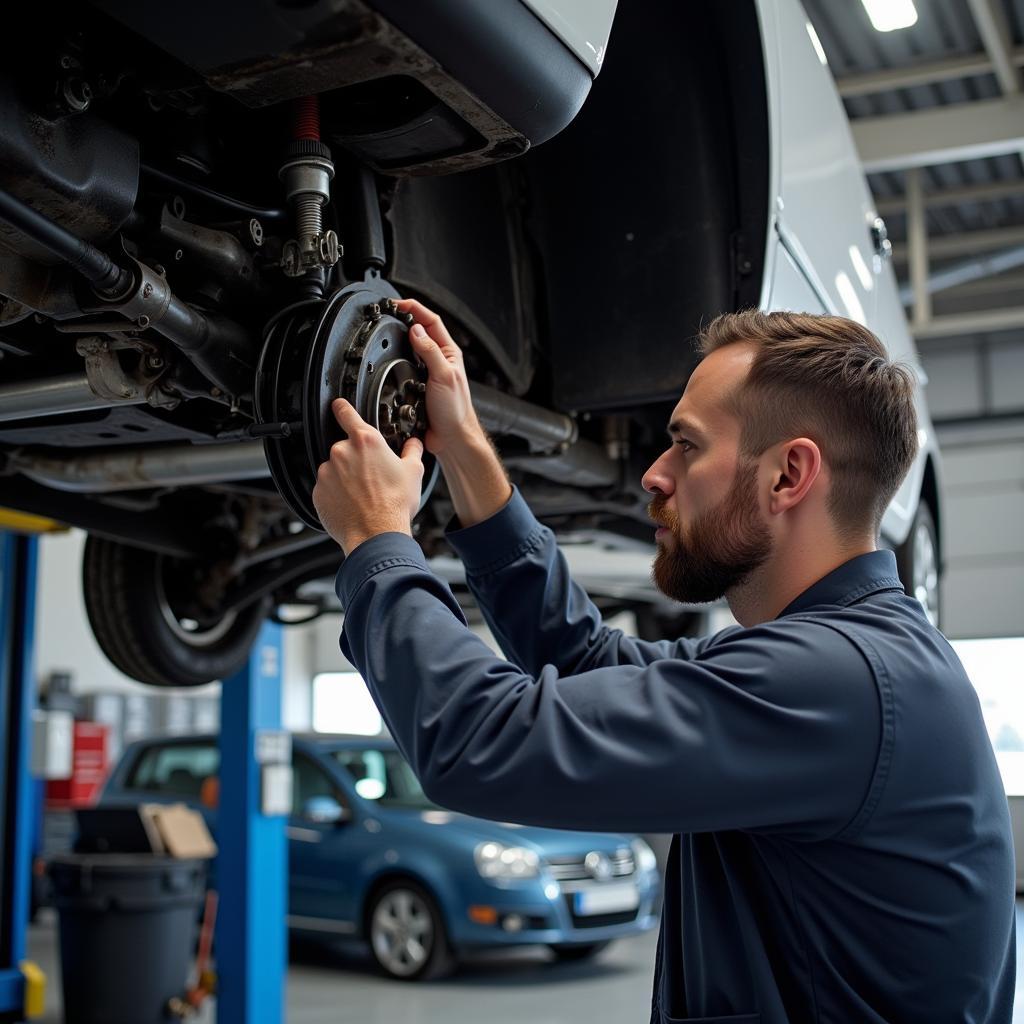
column 371, row 857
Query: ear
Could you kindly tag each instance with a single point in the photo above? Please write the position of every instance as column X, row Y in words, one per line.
column 796, row 467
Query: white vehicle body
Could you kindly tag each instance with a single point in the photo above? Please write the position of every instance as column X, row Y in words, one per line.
column 583, row 25
column 820, row 255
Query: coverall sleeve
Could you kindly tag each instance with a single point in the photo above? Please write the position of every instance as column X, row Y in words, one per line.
column 775, row 728
column 536, row 612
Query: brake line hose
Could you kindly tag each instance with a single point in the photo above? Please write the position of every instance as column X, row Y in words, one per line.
column 92, row 263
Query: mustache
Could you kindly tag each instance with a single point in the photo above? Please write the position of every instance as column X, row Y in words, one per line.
column 659, row 511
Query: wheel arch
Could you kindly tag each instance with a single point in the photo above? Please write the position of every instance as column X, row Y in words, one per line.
column 930, row 495
column 688, row 216
column 407, row 874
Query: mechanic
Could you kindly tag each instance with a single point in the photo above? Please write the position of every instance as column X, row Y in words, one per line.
column 843, row 849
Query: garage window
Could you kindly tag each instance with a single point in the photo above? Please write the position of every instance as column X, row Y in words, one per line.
column 994, row 667
column 341, row 703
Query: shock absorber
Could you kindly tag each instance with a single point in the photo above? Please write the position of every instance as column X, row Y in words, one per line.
column 306, row 173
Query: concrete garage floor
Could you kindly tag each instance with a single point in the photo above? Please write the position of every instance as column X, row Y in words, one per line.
column 339, row 987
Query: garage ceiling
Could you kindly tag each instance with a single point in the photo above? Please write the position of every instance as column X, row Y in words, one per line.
column 937, row 111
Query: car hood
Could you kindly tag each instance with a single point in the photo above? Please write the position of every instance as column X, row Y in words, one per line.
column 547, row 842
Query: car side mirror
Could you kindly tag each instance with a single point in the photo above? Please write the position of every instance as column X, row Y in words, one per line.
column 325, row 810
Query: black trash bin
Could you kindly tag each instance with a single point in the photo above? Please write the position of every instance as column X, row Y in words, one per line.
column 127, row 933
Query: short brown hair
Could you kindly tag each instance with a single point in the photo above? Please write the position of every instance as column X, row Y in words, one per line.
column 829, row 379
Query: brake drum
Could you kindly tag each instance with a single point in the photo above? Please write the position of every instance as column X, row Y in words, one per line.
column 354, row 345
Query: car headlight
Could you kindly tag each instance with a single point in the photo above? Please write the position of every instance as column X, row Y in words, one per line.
column 495, row 860
column 644, row 856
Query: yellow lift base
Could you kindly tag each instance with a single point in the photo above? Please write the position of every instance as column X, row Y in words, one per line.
column 35, row 989
column 25, row 522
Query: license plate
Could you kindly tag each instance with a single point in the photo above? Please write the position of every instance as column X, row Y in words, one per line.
column 609, row 899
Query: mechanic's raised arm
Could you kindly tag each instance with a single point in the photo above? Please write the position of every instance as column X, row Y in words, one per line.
column 513, row 566
column 719, row 742
column 537, row 612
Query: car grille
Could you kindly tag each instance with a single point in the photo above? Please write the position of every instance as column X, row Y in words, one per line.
column 573, row 869
column 598, row 920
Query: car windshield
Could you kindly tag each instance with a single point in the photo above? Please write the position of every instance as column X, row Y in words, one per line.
column 177, row 769
column 384, row 777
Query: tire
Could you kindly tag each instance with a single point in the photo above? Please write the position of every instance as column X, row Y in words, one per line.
column 133, row 620
column 917, row 560
column 406, row 933
column 574, row 954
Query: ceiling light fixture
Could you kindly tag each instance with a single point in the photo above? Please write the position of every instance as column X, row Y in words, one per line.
column 889, row 15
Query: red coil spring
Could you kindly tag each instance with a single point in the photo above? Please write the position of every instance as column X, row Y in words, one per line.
column 306, row 119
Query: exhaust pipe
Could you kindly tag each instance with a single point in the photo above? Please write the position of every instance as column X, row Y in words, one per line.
column 53, row 396
column 502, row 414
column 558, row 451
column 135, row 470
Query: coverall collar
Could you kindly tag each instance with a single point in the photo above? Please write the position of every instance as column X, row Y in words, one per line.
column 862, row 575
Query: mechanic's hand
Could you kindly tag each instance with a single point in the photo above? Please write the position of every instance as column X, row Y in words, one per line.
column 449, row 406
column 364, row 488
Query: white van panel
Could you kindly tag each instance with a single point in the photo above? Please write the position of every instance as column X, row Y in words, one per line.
column 823, row 213
column 583, row 25
column 791, row 290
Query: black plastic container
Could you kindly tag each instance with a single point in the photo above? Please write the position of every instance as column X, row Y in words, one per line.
column 127, row 933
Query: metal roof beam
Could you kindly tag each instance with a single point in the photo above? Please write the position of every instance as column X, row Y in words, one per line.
column 966, row 243
column 1001, row 284
column 990, row 192
column 917, row 250
column 990, row 19
column 955, row 324
column 920, row 73
column 970, row 270
column 964, row 131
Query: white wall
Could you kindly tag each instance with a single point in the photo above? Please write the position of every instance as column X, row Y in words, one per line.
column 984, row 508
column 975, row 378
column 976, row 394
column 326, row 654
column 64, row 641
column 297, row 682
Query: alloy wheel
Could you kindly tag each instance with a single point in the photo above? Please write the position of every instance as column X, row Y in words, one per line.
column 402, row 932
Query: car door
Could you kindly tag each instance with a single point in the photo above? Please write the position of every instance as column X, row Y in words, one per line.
column 320, row 877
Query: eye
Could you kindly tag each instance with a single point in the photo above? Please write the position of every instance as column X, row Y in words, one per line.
column 687, row 446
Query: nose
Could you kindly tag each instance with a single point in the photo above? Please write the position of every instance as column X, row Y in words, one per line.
column 657, row 479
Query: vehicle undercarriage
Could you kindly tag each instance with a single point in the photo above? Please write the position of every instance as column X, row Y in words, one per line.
column 194, row 263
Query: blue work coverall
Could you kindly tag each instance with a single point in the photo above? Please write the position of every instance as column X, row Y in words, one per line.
column 842, row 847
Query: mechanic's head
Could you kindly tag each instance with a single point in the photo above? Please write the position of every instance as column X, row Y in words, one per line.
column 791, row 438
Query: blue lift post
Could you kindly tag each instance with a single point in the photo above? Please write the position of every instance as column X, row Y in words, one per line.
column 251, row 945
column 18, row 559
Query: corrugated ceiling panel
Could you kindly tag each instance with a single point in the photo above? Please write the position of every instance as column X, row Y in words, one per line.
column 945, row 28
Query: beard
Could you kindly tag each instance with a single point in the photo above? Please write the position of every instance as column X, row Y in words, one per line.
column 719, row 551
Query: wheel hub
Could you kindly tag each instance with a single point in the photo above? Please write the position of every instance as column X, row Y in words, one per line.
column 354, row 345
column 402, row 933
